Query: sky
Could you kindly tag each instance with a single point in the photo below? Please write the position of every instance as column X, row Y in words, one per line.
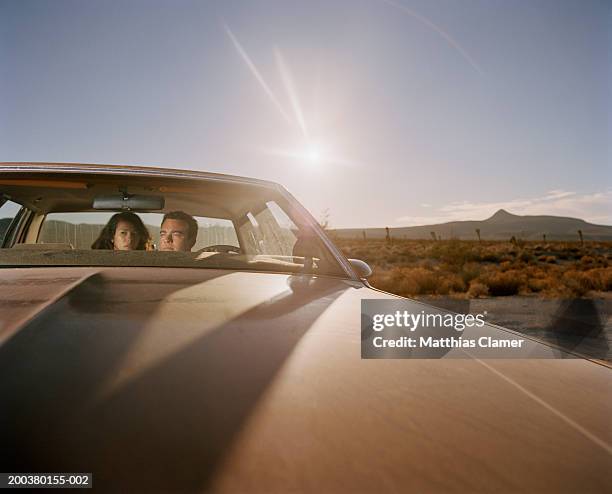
column 382, row 112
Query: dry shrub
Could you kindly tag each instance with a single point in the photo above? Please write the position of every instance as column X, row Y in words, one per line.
column 449, row 283
column 593, row 262
column 540, row 279
column 419, row 281
column 548, row 259
column 606, row 278
column 489, row 257
column 577, row 283
column 470, row 271
column 393, row 258
column 477, row 289
column 599, row 279
column 414, row 281
column 426, row 264
column 454, row 252
column 502, row 284
column 538, row 285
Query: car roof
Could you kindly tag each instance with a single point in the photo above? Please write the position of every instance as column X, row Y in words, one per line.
column 113, row 169
column 66, row 187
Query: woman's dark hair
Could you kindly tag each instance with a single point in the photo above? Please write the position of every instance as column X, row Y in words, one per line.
column 105, row 240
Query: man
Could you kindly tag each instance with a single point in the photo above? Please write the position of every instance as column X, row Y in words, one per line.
column 178, row 232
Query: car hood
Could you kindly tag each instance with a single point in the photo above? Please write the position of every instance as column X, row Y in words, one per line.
column 186, row 379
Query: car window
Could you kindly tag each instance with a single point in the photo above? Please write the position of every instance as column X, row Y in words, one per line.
column 215, row 231
column 8, row 212
column 81, row 229
column 77, row 229
column 269, row 231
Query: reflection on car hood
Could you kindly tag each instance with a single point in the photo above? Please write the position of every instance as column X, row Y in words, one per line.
column 191, row 379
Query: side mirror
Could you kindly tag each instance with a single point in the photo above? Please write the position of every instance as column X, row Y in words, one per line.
column 361, row 268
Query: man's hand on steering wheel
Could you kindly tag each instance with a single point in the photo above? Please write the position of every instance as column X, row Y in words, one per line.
column 223, row 248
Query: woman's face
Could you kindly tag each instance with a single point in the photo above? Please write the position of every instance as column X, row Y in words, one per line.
column 126, row 236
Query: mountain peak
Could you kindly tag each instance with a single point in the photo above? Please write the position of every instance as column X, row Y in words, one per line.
column 502, row 214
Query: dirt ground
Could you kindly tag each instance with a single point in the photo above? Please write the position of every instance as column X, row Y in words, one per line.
column 582, row 325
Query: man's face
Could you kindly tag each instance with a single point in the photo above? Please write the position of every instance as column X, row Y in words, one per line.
column 174, row 235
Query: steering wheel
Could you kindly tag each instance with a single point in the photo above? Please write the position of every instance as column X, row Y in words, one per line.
column 225, row 249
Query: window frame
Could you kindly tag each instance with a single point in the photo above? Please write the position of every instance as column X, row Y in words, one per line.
column 18, row 226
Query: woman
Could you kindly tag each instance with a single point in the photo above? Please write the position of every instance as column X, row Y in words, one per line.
column 124, row 231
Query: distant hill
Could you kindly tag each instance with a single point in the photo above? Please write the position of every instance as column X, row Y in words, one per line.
column 501, row 226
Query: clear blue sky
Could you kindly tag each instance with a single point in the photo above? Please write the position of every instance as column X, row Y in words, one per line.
column 387, row 112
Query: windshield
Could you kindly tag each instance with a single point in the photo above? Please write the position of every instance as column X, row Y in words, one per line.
column 81, row 229
column 252, row 233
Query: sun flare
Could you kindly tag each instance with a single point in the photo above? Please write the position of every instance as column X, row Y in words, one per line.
column 313, row 155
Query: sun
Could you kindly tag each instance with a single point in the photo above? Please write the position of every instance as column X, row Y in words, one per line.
column 313, row 155
column 307, row 154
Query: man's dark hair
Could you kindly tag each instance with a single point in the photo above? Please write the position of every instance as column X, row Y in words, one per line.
column 181, row 216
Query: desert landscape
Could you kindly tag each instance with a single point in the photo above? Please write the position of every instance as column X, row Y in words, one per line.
column 558, row 291
column 473, row 269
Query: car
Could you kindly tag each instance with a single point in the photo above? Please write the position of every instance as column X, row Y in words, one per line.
column 238, row 366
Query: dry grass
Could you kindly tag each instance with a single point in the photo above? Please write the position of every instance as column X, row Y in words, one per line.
column 472, row 269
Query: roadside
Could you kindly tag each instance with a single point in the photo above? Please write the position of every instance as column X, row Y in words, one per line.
column 583, row 325
column 559, row 292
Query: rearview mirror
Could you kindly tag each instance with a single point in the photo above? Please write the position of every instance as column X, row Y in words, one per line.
column 129, row 202
column 362, row 268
